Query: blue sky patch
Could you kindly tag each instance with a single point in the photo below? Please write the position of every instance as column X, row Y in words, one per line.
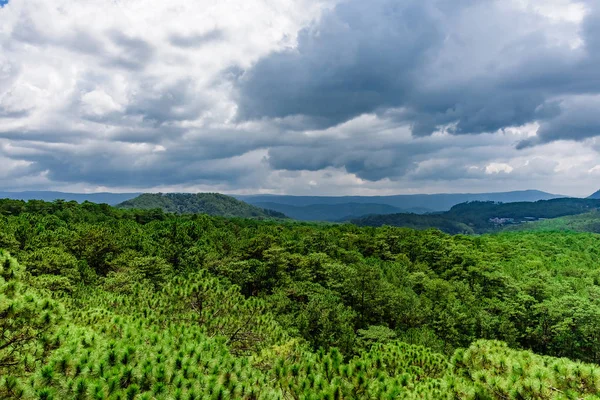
column 3, row 3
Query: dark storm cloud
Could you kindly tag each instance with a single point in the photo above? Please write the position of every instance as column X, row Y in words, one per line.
column 45, row 136
column 149, row 134
column 132, row 159
column 198, row 39
column 117, row 164
column 176, row 102
column 369, row 164
column 591, row 29
column 468, row 67
column 359, row 58
column 120, row 108
column 370, row 156
column 135, row 53
column 578, row 119
column 154, row 104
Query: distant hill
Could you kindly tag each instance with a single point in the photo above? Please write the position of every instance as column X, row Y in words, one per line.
column 595, row 195
column 333, row 212
column 481, row 217
column 108, row 198
column 200, row 203
column 431, row 202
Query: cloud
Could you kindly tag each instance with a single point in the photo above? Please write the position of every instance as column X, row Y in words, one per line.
column 374, row 149
column 133, row 52
column 464, row 67
column 197, row 39
column 577, row 119
column 356, row 59
column 299, row 96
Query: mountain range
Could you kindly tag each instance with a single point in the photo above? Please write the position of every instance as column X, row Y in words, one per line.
column 336, row 212
column 336, row 208
column 305, row 208
column 469, row 215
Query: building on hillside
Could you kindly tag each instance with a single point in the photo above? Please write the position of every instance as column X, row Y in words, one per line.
column 502, row 221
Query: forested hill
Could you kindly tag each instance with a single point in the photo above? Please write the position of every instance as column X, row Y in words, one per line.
column 105, row 303
column 480, row 217
column 200, row 203
column 588, row 222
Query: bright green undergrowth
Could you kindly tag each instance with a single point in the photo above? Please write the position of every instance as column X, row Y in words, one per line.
column 99, row 303
column 588, row 222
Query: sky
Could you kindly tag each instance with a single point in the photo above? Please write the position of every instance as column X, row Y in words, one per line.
column 305, row 97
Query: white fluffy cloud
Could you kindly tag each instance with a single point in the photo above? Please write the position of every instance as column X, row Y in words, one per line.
column 299, row 96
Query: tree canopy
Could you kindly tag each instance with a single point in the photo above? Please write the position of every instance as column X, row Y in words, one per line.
column 106, row 303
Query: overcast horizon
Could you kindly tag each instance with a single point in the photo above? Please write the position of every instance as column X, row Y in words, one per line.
column 249, row 193
column 300, row 97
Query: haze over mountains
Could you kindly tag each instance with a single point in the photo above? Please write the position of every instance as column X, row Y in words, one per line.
column 434, row 202
column 108, row 198
column 317, row 208
column 331, row 208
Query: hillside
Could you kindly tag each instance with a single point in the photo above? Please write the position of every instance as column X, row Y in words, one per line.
column 105, row 303
column 588, row 222
column 415, row 221
column 200, row 203
column 481, row 217
column 408, row 203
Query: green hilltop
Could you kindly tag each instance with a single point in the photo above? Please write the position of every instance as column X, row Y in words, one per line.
column 484, row 216
column 200, row 203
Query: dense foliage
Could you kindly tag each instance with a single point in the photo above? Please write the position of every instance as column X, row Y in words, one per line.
column 200, row 203
column 107, row 303
column 441, row 221
column 475, row 217
column 588, row 222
